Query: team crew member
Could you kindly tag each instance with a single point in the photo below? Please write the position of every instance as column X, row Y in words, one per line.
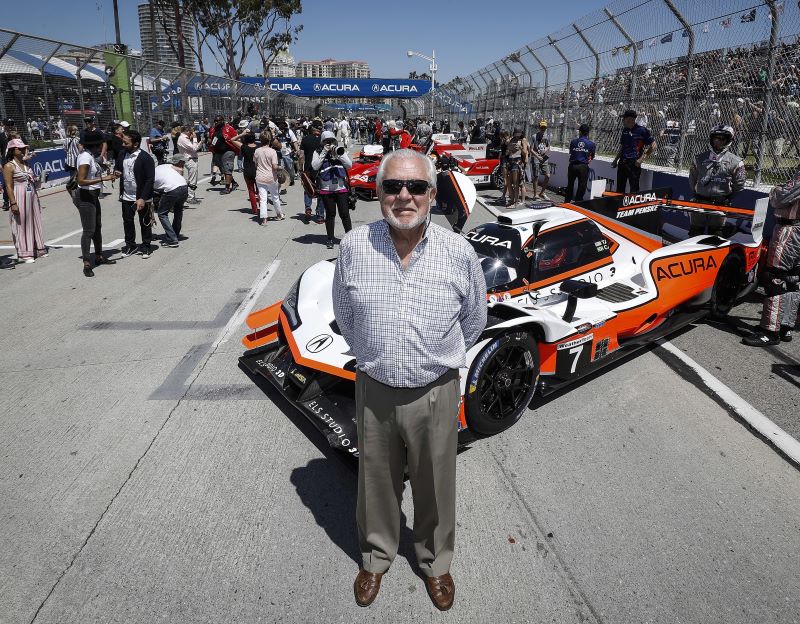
column 715, row 177
column 410, row 299
column 540, row 150
column 581, row 153
column 782, row 279
column 172, row 190
column 332, row 180
column 636, row 144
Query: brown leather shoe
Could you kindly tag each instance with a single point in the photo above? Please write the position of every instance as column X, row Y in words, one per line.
column 366, row 587
column 442, row 590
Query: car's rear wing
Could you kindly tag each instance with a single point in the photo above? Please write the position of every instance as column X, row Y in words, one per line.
column 656, row 212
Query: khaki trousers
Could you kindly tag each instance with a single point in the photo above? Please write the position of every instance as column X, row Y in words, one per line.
column 190, row 173
column 417, row 428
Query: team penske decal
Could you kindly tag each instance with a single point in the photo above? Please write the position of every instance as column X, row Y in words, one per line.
column 636, row 211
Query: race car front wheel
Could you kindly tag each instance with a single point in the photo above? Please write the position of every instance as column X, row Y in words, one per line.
column 501, row 383
column 497, row 178
column 730, row 280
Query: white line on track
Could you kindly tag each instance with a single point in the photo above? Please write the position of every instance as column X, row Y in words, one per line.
column 247, row 304
column 113, row 243
column 60, row 238
column 758, row 421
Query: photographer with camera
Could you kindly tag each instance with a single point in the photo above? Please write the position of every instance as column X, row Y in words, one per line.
column 333, row 163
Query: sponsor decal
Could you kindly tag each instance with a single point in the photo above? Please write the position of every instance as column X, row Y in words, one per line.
column 492, row 298
column 362, row 177
column 271, row 368
column 335, row 427
column 685, row 267
column 637, row 211
column 599, row 324
column 601, row 349
column 506, row 296
column 299, row 377
column 576, row 342
column 639, row 199
column 337, row 88
column 484, row 357
column 319, row 343
column 583, row 328
column 289, row 86
column 472, row 388
column 393, row 88
column 489, row 240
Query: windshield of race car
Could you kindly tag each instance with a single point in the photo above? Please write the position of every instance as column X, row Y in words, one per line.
column 498, row 248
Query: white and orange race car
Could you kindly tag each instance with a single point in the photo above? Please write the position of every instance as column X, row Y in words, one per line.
column 570, row 288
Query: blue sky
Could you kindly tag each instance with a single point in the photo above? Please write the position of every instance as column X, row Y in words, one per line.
column 464, row 34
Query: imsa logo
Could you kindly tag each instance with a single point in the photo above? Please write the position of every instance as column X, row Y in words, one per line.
column 685, row 267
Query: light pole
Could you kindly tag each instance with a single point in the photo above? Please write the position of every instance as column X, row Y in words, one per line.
column 433, row 69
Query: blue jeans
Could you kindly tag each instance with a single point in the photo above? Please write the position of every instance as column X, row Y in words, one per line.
column 173, row 200
column 307, row 200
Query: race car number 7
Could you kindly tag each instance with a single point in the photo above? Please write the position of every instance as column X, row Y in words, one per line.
column 576, row 351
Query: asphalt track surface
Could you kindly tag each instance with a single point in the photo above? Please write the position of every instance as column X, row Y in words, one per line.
column 145, row 478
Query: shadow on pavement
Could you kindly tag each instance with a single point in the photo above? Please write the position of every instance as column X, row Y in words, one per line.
column 312, row 239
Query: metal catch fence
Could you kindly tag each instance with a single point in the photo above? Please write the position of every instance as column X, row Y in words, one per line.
column 683, row 65
column 46, row 86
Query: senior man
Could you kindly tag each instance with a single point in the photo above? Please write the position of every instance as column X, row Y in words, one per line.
column 410, row 299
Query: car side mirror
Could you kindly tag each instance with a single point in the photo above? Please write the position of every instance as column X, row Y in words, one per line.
column 576, row 289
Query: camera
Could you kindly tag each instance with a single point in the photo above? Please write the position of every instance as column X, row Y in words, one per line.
column 340, row 151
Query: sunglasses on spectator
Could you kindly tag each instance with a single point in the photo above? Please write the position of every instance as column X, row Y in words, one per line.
column 415, row 187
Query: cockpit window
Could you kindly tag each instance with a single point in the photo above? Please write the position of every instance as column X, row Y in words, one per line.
column 568, row 248
column 498, row 249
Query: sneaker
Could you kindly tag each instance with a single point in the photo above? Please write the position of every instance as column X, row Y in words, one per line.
column 129, row 250
column 319, row 220
column 172, row 244
column 193, row 201
column 227, row 191
column 786, row 334
column 329, row 243
column 145, row 250
column 87, row 271
column 27, row 261
column 263, row 222
column 213, row 181
column 762, row 338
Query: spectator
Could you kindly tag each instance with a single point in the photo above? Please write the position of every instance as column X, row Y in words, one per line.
column 332, row 168
column 136, row 190
column 540, row 151
column 188, row 146
column 422, row 134
column 114, row 145
column 517, row 158
column 636, row 144
column 308, row 146
column 581, row 154
column 266, row 161
column 25, row 210
column 461, row 134
column 288, row 148
column 244, row 128
column 71, row 149
column 5, row 136
column 90, row 180
column 90, row 125
column 171, row 190
column 343, row 132
column 224, row 153
column 247, row 149
column 158, row 142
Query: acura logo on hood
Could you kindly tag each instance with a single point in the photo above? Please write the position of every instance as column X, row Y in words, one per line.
column 319, row 343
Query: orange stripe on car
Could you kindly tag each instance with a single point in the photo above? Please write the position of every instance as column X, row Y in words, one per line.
column 299, row 359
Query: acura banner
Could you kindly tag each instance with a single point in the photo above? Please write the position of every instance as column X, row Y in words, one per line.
column 307, row 87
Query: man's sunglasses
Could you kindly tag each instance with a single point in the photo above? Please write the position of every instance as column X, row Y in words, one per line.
column 415, row 187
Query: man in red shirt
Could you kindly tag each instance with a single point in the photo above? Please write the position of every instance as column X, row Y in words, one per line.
column 224, row 151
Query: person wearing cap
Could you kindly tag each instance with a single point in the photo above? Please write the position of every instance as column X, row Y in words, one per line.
column 636, row 144
column 540, row 151
column 90, row 125
column 136, row 192
column 581, row 153
column 90, row 180
column 158, row 141
column 25, row 211
column 332, row 183
column 171, row 190
column 188, row 146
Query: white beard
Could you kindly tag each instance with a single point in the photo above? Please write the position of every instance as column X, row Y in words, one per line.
column 410, row 225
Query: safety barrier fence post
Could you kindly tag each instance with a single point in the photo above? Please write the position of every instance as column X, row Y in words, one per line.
column 593, row 113
column 566, row 97
column 767, row 110
column 526, row 100
column 632, row 43
column 689, row 77
column 546, row 71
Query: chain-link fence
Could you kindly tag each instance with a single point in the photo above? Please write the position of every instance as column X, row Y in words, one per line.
column 47, row 86
column 683, row 65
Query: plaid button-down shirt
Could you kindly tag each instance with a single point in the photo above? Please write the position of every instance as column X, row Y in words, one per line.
column 408, row 327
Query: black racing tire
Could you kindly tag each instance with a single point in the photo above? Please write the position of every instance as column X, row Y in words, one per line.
column 730, row 280
column 497, row 178
column 501, row 382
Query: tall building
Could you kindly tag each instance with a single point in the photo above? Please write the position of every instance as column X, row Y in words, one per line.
column 283, row 66
column 330, row 68
column 159, row 48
